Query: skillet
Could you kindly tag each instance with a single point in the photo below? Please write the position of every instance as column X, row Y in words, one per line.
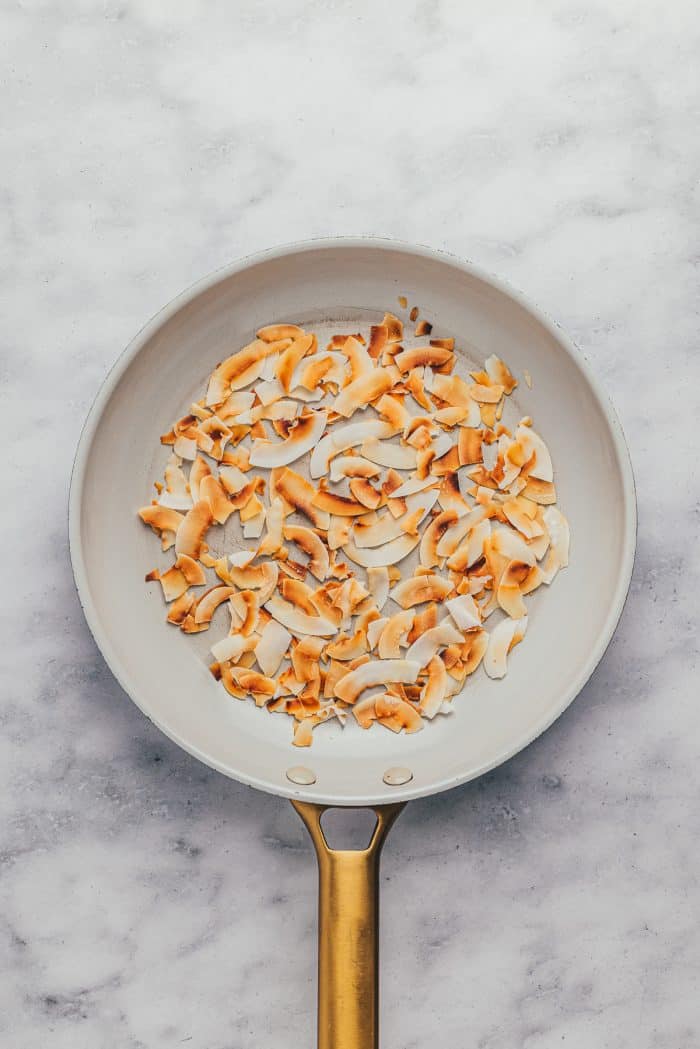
column 346, row 284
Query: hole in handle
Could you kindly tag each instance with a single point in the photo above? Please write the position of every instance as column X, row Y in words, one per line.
column 348, row 829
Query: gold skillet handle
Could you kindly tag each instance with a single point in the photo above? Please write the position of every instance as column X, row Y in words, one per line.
column 348, row 933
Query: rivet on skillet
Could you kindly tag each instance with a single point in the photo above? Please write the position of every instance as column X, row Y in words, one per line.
column 396, row 777
column 303, row 776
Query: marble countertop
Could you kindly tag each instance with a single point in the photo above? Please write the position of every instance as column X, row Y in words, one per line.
column 148, row 902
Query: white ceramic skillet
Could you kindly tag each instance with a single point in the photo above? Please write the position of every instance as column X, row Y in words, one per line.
column 349, row 283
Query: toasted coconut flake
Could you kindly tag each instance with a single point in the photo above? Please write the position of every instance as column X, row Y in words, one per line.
column 421, row 357
column 419, row 589
column 359, row 359
column 343, row 438
column 473, row 650
column 378, row 584
column 465, row 611
column 419, row 434
column 251, row 508
column 271, row 647
column 300, row 494
column 393, row 481
column 457, row 532
column 450, row 388
column 246, row 605
column 416, row 387
column 398, row 457
column 239, row 457
column 244, row 499
column 290, row 358
column 237, row 403
column 542, row 492
column 365, row 712
column 161, row 518
column 291, row 568
column 379, row 336
column 394, row 327
column 305, row 659
column 501, row 639
column 199, row 470
column 257, row 577
column 425, row 647
column 298, row 623
column 433, row 692
column 517, row 514
column 500, row 374
column 469, row 552
column 324, row 601
column 276, row 332
column 298, row 594
column 451, row 416
column 558, row 529
column 509, row 545
column 386, row 555
column 394, row 634
column 533, row 444
column 510, row 588
column 253, row 682
column 374, row 631
column 305, row 435
column 432, row 536
column 338, row 505
column 539, row 546
column 469, row 446
column 275, row 521
column 177, row 493
column 396, row 714
column 347, row 648
column 189, row 538
column 339, row 532
column 230, row 649
column 180, row 608
column 210, row 601
column 363, row 390
column 376, row 672
column 190, row 572
column 233, row 479
column 364, row 493
column 185, row 447
column 352, row 466
column 212, row 436
column 413, row 485
column 485, row 394
column 424, row 620
column 269, row 392
column 410, row 521
column 312, row 371
column 312, row 545
column 387, row 528
column 252, row 529
column 303, row 732
column 212, row 492
column 423, row 328
column 450, row 495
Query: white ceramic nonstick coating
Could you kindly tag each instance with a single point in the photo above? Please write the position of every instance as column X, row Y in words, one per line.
column 348, row 282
